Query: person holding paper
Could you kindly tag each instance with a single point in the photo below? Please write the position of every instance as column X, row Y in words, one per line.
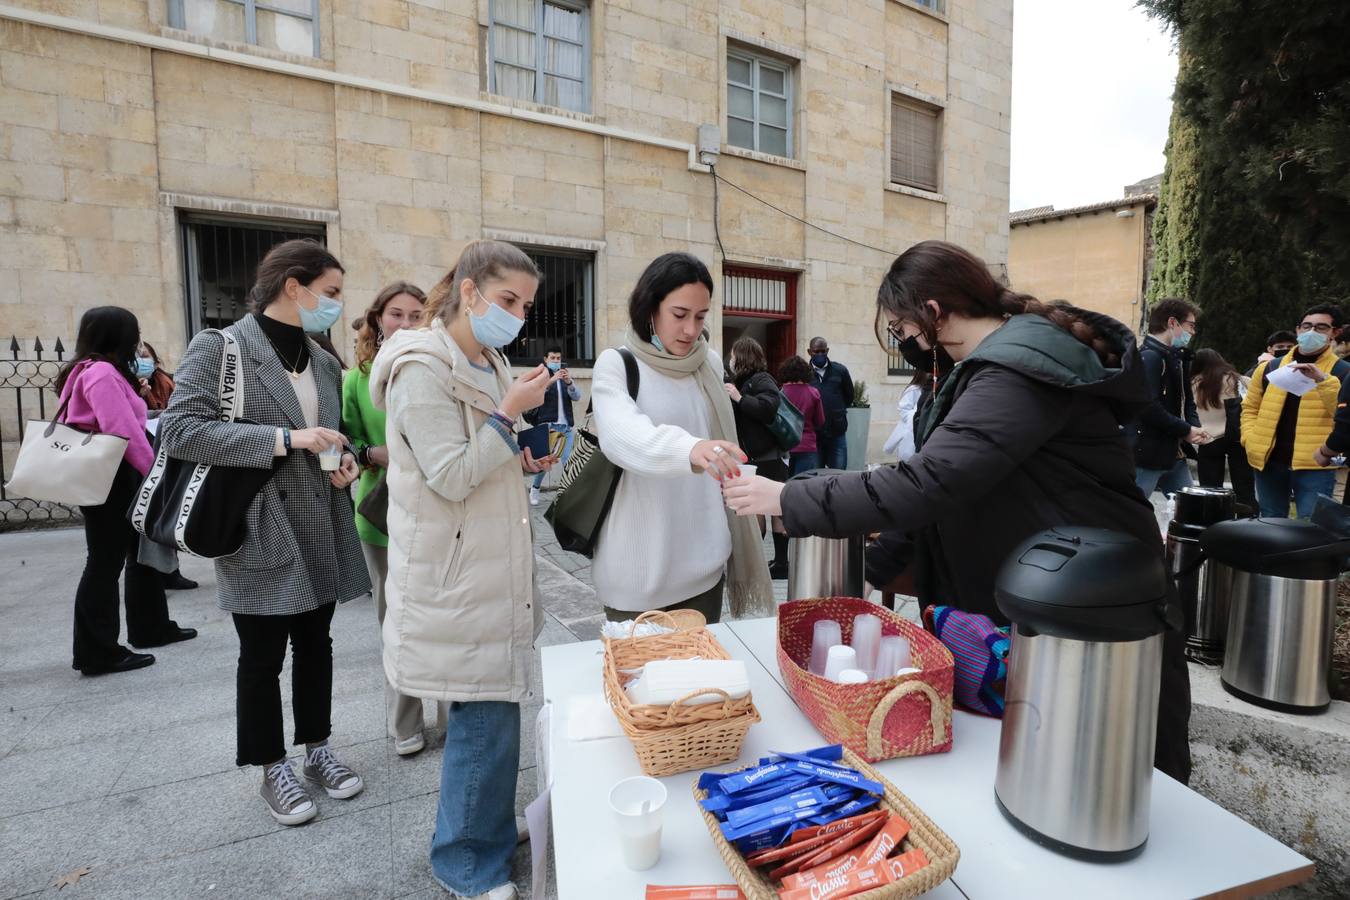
column 1288, row 414
column 1170, row 422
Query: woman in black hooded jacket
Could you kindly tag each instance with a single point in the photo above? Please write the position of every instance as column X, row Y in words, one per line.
column 1022, row 435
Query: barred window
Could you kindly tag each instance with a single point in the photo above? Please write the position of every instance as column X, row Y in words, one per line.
column 564, row 309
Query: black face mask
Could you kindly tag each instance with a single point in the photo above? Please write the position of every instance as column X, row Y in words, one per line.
column 921, row 359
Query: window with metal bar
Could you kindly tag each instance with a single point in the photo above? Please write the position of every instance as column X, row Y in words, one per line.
column 759, row 103
column 895, row 363
column 220, row 262
column 291, row 26
column 916, row 143
column 539, row 50
column 564, row 309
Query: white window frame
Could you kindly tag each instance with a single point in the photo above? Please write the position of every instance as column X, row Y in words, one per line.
column 579, row 6
column 756, row 62
column 178, row 19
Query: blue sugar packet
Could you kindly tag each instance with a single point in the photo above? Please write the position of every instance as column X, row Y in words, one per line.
column 828, row 753
column 765, row 840
column 733, row 832
column 744, row 781
column 719, row 803
column 837, row 776
column 811, row 797
column 851, row 808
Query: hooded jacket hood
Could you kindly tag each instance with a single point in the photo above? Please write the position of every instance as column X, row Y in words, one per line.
column 1038, row 348
column 433, row 344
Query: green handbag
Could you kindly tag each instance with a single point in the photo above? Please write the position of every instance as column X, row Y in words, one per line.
column 787, row 424
column 589, row 480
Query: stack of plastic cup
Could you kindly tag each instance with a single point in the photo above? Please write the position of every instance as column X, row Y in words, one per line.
column 892, row 657
column 866, row 640
column 825, row 634
column 853, row 676
column 841, row 657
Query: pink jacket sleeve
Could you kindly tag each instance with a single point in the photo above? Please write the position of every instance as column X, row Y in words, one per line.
column 818, row 407
column 112, row 401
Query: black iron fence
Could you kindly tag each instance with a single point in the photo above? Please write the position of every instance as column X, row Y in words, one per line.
column 27, row 376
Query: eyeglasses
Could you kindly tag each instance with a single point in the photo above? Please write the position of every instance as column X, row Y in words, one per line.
column 893, row 329
column 1189, row 325
column 1320, row 327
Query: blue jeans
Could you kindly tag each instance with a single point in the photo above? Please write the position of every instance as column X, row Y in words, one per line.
column 1276, row 484
column 833, row 451
column 1169, row 481
column 476, row 818
column 567, row 451
column 803, row 462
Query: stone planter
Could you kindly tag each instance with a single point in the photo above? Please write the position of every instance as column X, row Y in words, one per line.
column 859, row 429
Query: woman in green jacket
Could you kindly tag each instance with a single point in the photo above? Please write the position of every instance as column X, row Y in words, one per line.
column 398, row 306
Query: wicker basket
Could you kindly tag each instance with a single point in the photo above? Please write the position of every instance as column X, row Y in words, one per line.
column 679, row 737
column 910, row 715
column 942, row 852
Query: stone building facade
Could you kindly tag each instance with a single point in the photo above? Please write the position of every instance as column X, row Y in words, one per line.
column 150, row 151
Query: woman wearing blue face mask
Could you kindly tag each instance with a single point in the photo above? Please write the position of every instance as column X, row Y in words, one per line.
column 301, row 556
column 461, row 609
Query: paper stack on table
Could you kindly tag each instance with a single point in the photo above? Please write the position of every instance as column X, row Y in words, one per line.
column 1291, row 380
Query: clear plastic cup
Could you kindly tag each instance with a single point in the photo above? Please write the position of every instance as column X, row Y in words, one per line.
column 841, row 657
column 330, row 458
column 824, row 635
column 866, row 640
column 637, row 803
column 892, row 657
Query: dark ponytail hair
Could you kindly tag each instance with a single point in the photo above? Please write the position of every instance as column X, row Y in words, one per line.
column 108, row 334
column 303, row 259
column 960, row 282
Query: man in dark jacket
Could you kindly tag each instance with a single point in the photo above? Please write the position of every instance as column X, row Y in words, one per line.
column 836, row 395
column 1023, row 436
column 1170, row 419
column 556, row 413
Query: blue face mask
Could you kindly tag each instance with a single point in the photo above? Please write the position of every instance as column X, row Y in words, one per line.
column 1181, row 340
column 1310, row 342
column 145, row 367
column 820, row 360
column 553, row 367
column 322, row 317
column 496, row 327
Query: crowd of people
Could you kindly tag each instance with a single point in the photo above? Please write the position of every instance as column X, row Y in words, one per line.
column 1024, row 416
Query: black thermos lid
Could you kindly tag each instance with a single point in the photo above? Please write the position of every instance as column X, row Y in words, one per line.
column 1085, row 584
column 1284, row 548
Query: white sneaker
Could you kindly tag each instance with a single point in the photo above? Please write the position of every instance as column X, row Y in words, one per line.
column 500, row 892
column 534, row 496
column 410, row 746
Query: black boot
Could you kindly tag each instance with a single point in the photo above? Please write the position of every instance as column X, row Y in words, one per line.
column 778, row 569
column 176, row 582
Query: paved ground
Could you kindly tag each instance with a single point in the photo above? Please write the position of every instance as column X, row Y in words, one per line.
column 132, row 775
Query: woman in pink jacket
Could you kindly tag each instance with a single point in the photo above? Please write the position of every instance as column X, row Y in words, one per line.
column 100, row 391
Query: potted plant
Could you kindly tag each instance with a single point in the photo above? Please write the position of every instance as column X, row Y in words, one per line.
column 859, row 426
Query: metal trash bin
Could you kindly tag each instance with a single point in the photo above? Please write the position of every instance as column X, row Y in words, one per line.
column 1203, row 585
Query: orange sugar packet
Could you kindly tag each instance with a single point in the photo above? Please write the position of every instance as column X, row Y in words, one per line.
column 796, row 847
column 806, row 834
column 906, row 863
column 694, row 892
column 879, row 848
column 840, row 845
column 863, row 878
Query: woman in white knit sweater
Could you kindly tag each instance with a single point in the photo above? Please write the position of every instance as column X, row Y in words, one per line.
column 669, row 542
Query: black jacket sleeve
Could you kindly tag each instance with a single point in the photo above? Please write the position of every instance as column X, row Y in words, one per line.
column 999, row 420
column 846, row 385
column 1339, row 439
column 759, row 398
column 1155, row 416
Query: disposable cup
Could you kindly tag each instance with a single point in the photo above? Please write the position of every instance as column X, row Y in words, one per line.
column 824, row 635
column 747, row 472
column 330, row 458
column 866, row 640
column 841, row 657
column 636, row 803
column 853, row 676
column 893, row 656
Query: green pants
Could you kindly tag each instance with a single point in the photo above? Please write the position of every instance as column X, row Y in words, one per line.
column 709, row 603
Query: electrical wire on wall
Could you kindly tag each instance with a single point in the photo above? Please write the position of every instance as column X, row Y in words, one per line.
column 718, row 232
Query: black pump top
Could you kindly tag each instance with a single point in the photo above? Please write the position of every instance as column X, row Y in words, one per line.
column 1283, row 548
column 1085, row 584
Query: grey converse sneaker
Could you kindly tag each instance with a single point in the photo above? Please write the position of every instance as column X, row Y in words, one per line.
column 287, row 800
column 322, row 768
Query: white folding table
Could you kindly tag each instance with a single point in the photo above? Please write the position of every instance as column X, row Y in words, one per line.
column 1195, row 848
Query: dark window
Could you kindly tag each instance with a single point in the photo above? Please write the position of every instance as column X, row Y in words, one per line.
column 220, row 261
column 564, row 309
column 895, row 363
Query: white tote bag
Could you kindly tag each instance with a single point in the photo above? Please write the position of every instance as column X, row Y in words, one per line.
column 62, row 464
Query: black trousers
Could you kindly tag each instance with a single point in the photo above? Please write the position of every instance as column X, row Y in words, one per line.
column 1210, row 461
column 262, row 651
column 111, row 543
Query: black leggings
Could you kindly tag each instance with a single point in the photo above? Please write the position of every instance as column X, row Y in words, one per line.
column 111, row 544
column 262, row 652
column 1209, row 465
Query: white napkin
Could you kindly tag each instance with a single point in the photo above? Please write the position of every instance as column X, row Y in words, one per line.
column 664, row 681
column 589, row 718
column 1292, row 381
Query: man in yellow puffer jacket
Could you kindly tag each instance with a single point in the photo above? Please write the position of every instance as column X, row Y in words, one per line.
column 1281, row 432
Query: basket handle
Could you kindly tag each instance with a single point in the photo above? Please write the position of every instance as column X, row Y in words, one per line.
column 675, row 707
column 898, row 693
column 654, row 614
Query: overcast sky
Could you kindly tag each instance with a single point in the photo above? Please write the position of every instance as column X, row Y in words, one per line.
column 1092, row 85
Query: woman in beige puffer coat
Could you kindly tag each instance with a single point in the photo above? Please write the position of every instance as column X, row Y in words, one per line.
column 463, row 610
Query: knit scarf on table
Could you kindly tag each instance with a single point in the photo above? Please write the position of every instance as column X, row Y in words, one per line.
column 747, row 573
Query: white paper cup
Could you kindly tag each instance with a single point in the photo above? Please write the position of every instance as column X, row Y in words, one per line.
column 330, row 458
column 639, row 829
column 747, row 472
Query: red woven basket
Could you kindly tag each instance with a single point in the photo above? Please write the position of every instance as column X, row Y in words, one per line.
column 906, row 716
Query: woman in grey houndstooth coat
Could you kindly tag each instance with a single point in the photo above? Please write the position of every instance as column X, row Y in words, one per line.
column 302, row 555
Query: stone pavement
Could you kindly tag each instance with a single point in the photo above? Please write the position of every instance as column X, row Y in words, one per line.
column 132, row 775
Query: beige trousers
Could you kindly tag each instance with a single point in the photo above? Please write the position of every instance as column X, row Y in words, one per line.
column 402, row 714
